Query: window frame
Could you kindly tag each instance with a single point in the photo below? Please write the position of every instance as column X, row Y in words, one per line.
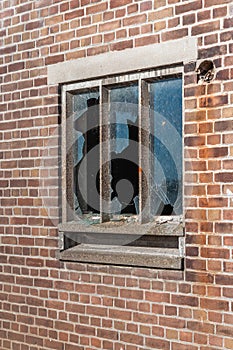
column 144, row 78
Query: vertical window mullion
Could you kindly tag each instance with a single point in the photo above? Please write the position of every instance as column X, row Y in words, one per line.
column 105, row 178
column 144, row 152
column 63, row 155
column 68, row 158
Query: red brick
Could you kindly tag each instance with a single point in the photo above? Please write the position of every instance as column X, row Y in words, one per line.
column 158, row 297
column 74, row 14
column 119, row 314
column 213, row 51
column 131, row 294
column 224, row 279
column 156, row 343
column 199, row 326
column 16, row 66
column 203, row 15
column 200, row 277
column 224, row 177
column 223, row 125
column 146, row 6
column 175, row 34
column 122, row 45
column 117, row 3
column 110, row 291
column 34, row 25
column 108, row 334
column 110, row 26
column 213, row 202
column 184, row 300
column 132, row 8
column 54, row 59
column 131, row 338
column 151, row 39
column 97, row 8
column 215, row 2
column 179, row 346
column 208, row 102
column 193, row 141
column 171, row 322
column 205, row 28
column 190, row 6
column 134, row 20
column 224, row 330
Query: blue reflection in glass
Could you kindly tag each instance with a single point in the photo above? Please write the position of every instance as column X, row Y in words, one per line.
column 81, row 124
column 124, row 111
column 166, row 121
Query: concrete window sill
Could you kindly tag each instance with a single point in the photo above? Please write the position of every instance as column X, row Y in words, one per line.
column 148, row 245
column 161, row 258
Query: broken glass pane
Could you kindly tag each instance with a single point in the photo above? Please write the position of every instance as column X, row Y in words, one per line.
column 124, row 148
column 86, row 151
column 166, row 126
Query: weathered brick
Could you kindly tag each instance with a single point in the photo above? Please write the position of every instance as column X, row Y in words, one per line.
column 185, row 300
column 74, row 14
column 47, row 303
column 175, row 34
column 215, row 2
column 199, row 277
column 110, row 26
column 134, row 20
column 16, row 66
column 154, row 343
column 203, row 15
column 116, row 3
column 122, row 45
column 224, row 177
column 223, row 125
column 214, row 253
column 220, row 11
column 152, row 39
column 208, row 102
column 194, row 141
column 212, row 51
column 190, row 6
column 213, row 152
column 34, row 25
column 205, row 28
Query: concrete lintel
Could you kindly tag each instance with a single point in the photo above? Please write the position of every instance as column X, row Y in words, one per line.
column 119, row 62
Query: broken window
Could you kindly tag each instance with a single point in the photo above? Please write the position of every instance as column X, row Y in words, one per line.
column 124, row 149
column 86, row 152
column 123, row 156
column 166, row 118
column 163, row 146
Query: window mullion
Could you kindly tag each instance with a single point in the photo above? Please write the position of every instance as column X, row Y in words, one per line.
column 105, row 176
column 144, row 152
column 68, row 177
column 63, row 155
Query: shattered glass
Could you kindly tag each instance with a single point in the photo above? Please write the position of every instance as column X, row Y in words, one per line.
column 124, row 148
column 165, row 111
column 86, row 151
column 166, row 126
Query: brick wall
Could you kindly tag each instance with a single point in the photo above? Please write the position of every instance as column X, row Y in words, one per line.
column 47, row 304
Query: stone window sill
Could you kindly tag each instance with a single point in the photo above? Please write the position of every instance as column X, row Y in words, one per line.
column 161, row 258
column 158, row 245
